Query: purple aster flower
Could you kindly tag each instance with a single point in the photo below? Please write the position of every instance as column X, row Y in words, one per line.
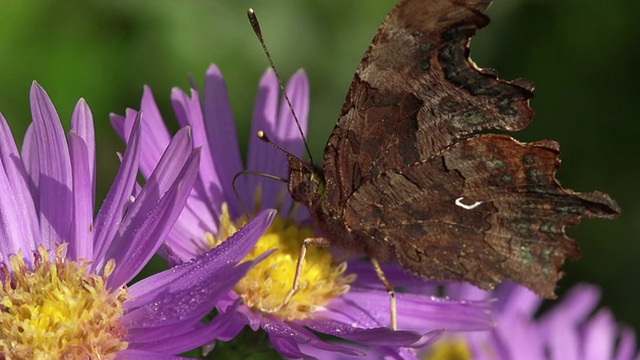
column 570, row 330
column 64, row 273
column 335, row 298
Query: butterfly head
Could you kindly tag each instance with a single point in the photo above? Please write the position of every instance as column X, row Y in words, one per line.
column 306, row 182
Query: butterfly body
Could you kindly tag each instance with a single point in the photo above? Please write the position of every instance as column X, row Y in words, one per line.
column 411, row 176
column 307, row 185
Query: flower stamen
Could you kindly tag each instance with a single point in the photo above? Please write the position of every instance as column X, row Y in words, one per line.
column 59, row 310
column 267, row 285
column 449, row 349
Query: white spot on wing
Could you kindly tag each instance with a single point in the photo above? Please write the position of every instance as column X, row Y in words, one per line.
column 465, row 206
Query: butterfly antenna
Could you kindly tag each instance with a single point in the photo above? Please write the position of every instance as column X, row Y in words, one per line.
column 253, row 19
column 262, row 136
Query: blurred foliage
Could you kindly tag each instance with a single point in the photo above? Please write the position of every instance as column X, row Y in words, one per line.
column 583, row 56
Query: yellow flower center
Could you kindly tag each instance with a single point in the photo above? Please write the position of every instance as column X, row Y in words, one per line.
column 58, row 310
column 448, row 349
column 266, row 286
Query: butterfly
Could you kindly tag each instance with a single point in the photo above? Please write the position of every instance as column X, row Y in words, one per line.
column 412, row 174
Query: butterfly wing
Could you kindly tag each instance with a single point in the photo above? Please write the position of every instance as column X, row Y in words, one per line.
column 509, row 223
column 407, row 147
column 416, row 92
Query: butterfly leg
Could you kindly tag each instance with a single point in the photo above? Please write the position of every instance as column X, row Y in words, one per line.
column 322, row 242
column 390, row 290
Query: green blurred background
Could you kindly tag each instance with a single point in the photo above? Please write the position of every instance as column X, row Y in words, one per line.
column 582, row 55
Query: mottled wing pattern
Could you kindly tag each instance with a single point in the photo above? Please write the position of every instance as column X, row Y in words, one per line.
column 409, row 154
column 415, row 93
column 515, row 231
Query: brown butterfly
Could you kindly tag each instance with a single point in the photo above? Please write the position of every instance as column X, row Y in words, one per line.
column 410, row 175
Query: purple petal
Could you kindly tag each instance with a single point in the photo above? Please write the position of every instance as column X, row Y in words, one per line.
column 288, row 347
column 189, row 299
column 562, row 338
column 54, row 181
column 253, row 319
column 18, row 220
column 286, row 338
column 202, row 208
column 263, row 157
column 575, row 306
column 231, row 251
column 110, row 215
column 29, row 154
column 282, row 130
column 517, row 337
column 398, row 277
column 488, row 345
column 156, row 137
column 298, row 91
column 288, row 134
column 221, row 136
column 380, row 336
column 369, row 309
column 130, row 118
column 118, row 124
column 397, row 353
column 186, row 240
column 82, row 124
column 627, row 345
column 168, row 167
column 365, row 352
column 466, row 291
column 166, row 339
column 516, row 300
column 234, row 323
column 181, row 104
column 81, row 237
column 148, row 222
column 599, row 336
